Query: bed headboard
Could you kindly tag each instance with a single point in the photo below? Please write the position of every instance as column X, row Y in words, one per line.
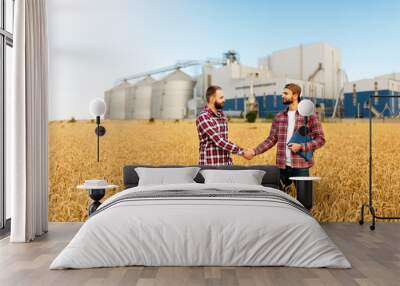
column 270, row 179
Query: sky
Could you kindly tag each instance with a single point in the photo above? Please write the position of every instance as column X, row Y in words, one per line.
column 92, row 43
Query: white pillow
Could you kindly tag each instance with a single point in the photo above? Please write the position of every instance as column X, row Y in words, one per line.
column 249, row 177
column 165, row 176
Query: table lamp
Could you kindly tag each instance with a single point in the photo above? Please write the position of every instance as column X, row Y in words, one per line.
column 305, row 108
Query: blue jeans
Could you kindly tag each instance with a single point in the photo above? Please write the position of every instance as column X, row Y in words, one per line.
column 285, row 174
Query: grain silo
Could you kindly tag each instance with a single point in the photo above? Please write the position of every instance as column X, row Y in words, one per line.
column 107, row 100
column 130, row 99
column 116, row 99
column 142, row 104
column 156, row 93
column 176, row 90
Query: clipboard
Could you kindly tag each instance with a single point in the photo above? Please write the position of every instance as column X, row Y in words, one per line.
column 299, row 137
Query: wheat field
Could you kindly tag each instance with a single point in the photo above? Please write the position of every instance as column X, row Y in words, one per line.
column 342, row 163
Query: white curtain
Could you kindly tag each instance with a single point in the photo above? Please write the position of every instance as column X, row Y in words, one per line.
column 28, row 117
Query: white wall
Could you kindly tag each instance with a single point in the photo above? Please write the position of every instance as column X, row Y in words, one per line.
column 275, row 86
column 203, row 81
column 369, row 85
column 394, row 76
column 301, row 62
column 226, row 76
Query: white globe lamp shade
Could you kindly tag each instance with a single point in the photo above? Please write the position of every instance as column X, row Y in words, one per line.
column 306, row 107
column 97, row 107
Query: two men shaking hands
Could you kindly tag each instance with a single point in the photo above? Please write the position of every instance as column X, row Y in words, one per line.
column 215, row 147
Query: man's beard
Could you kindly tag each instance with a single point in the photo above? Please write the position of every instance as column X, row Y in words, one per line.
column 287, row 102
column 219, row 105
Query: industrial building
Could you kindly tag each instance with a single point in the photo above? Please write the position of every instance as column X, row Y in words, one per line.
column 357, row 95
column 315, row 67
column 267, row 95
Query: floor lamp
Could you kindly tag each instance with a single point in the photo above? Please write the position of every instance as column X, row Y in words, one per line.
column 370, row 206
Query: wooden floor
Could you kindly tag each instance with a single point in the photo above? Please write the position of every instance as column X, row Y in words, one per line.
column 375, row 256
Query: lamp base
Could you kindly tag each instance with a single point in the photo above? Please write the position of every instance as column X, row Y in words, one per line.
column 96, row 195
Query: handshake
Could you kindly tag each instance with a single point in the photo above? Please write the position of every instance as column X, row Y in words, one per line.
column 248, row 153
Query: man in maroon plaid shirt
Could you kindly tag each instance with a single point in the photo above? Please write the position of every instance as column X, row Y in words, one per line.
column 212, row 127
column 284, row 125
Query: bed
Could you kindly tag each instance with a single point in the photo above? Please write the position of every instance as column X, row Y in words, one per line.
column 201, row 224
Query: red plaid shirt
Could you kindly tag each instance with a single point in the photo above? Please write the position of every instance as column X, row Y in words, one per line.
column 214, row 148
column 278, row 135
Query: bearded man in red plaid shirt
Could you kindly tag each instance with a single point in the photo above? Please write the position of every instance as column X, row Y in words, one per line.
column 284, row 125
column 212, row 128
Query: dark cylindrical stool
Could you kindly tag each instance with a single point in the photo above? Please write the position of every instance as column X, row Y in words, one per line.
column 304, row 190
column 96, row 193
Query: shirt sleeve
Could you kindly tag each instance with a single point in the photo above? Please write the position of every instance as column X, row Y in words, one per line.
column 270, row 141
column 206, row 127
column 316, row 133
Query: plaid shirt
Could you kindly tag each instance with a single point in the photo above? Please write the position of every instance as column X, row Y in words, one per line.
column 278, row 135
column 214, row 148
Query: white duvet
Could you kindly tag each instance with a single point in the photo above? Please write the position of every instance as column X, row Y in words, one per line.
column 200, row 231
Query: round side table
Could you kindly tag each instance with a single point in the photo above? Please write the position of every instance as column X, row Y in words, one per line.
column 96, row 193
column 304, row 190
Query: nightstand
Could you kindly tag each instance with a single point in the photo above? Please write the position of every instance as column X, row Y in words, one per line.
column 96, row 193
column 304, row 190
